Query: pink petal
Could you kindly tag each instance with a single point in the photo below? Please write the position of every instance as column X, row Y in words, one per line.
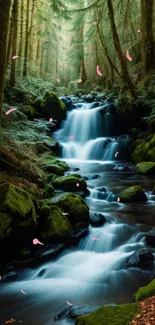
column 57, row 80
column 128, row 56
column 95, row 238
column 10, row 111
column 69, row 303
column 138, row 30
column 23, row 291
column 116, row 154
column 95, row 22
column 118, row 199
column 65, row 213
column 98, row 71
column 0, row 277
column 15, row 57
column 71, row 136
column 50, row 120
column 36, row 241
column 79, row 81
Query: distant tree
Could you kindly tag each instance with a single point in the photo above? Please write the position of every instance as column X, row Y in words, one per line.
column 4, row 21
column 14, row 42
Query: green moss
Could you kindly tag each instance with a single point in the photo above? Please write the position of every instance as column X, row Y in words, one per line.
column 55, row 169
column 51, row 106
column 5, row 222
column 56, row 224
column 73, row 204
column 49, row 189
column 108, row 315
column 132, row 194
column 69, row 183
column 147, row 167
column 144, row 149
column 30, row 112
column 145, row 292
column 17, row 203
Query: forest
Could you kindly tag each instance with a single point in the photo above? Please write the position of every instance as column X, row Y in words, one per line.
column 77, row 162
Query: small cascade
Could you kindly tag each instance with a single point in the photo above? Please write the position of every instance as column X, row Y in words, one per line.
column 87, row 133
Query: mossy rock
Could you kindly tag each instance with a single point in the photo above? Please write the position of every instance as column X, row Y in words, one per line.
column 49, row 190
column 132, row 194
column 30, row 112
column 145, row 168
column 5, row 225
column 69, row 183
column 73, row 204
column 51, row 106
column 55, row 169
column 110, row 315
column 53, row 224
column 144, row 149
column 145, row 292
column 18, row 211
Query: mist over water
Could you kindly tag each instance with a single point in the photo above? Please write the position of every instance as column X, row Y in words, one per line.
column 95, row 272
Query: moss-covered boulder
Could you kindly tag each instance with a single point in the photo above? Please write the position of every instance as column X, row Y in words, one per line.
column 51, row 106
column 31, row 112
column 55, row 169
column 145, row 168
column 150, row 237
column 144, row 149
column 52, row 165
column 132, row 194
column 145, row 292
column 70, row 183
column 52, row 223
column 72, row 204
column 18, row 215
column 110, row 315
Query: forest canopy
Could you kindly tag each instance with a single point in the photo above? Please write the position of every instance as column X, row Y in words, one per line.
column 61, row 41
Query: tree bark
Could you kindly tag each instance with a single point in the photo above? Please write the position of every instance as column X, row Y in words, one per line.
column 14, row 42
column 4, row 21
column 126, row 80
column 25, row 70
column 147, row 7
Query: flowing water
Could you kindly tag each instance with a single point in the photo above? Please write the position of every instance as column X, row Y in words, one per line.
column 95, row 272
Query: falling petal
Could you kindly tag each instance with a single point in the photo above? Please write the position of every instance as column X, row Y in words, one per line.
column 57, row 80
column 69, row 303
column 10, row 111
column 64, row 213
column 77, row 184
column 36, row 241
column 138, row 30
column 71, row 136
column 79, row 81
column 23, row 291
column 50, row 120
column 116, row 154
column 95, row 22
column 95, row 238
column 128, row 56
column 118, row 199
column 0, row 277
column 98, row 71
column 15, row 57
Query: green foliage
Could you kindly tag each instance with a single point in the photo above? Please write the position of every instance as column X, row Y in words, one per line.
column 111, row 315
column 145, row 292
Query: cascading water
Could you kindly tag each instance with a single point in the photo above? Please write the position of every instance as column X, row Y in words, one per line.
column 87, row 134
column 95, row 272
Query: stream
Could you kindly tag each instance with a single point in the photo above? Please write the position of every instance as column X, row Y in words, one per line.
column 93, row 273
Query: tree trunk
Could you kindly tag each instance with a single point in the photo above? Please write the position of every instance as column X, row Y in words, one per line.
column 14, row 42
column 9, row 44
column 30, row 31
column 83, row 70
column 126, row 80
column 4, row 21
column 25, row 70
column 147, row 7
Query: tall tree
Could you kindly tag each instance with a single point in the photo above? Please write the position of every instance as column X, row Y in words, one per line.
column 126, row 80
column 25, row 70
column 4, row 21
column 147, row 7
column 14, row 41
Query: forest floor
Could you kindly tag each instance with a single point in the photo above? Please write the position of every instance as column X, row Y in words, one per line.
column 146, row 315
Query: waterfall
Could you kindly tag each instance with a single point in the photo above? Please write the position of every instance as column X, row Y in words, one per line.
column 86, row 134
